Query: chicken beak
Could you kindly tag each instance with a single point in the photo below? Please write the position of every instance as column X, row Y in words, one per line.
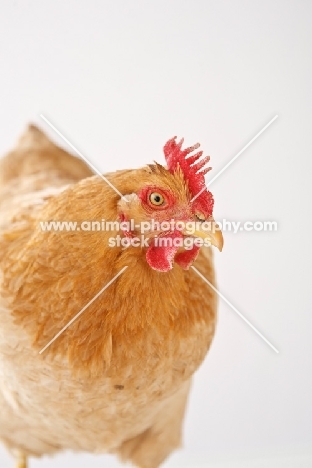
column 207, row 230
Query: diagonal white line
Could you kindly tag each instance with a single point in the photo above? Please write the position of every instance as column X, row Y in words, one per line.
column 235, row 310
column 83, row 309
column 235, row 157
column 83, row 157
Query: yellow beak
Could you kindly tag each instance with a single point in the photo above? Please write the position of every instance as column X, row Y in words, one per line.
column 207, row 230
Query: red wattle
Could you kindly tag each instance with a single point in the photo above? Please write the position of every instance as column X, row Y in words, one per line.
column 187, row 257
column 161, row 257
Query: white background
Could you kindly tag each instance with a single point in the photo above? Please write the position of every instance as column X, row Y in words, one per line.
column 119, row 78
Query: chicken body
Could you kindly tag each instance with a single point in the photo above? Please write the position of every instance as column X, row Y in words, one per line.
column 117, row 379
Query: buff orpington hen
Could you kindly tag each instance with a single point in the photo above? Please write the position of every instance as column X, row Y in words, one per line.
column 117, row 378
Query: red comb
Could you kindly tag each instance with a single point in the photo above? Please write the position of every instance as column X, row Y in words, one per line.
column 192, row 168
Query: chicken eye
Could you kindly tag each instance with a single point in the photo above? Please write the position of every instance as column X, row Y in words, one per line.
column 156, row 199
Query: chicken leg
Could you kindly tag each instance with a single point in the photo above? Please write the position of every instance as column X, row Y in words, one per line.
column 21, row 461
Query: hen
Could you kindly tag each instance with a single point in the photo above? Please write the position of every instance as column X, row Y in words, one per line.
column 116, row 379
